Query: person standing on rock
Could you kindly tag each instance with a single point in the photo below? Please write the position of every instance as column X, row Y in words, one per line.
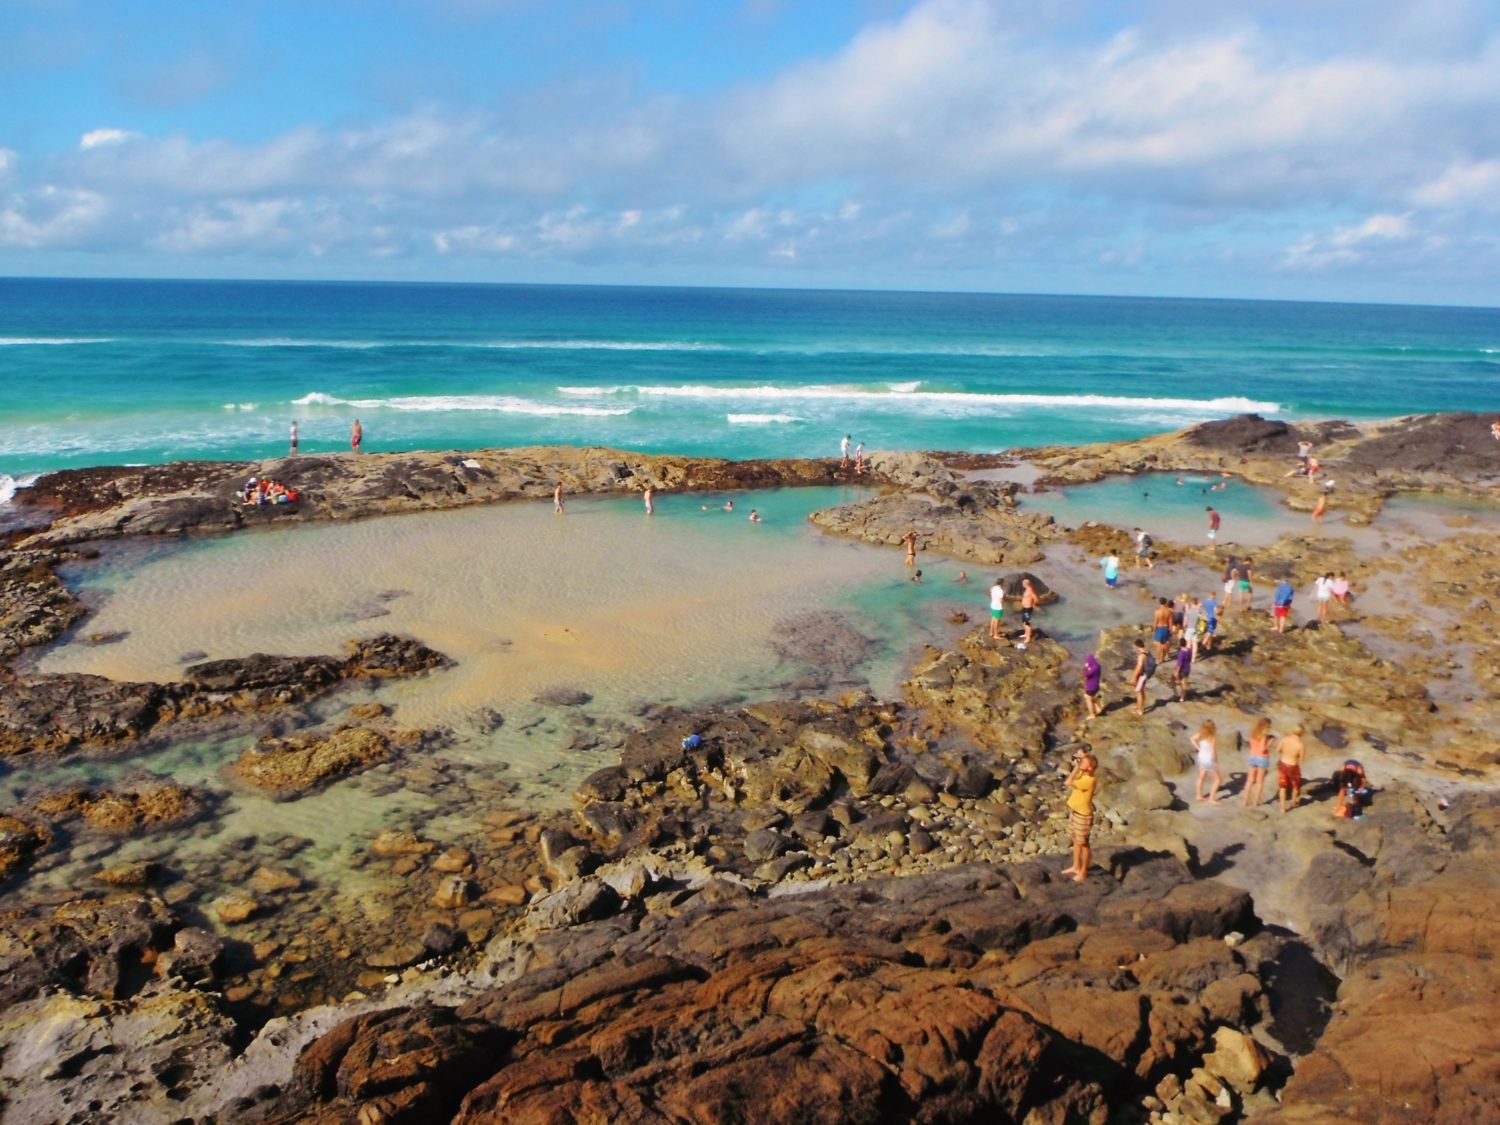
column 1093, row 676
column 1281, row 604
column 1082, row 780
column 1182, row 670
column 844, row 452
column 1210, row 622
column 294, row 439
column 356, row 436
column 1206, row 751
column 1259, row 761
column 1192, row 613
column 1293, row 751
column 1244, row 592
column 1143, row 550
column 557, row 503
column 647, row 497
column 1213, row 524
column 997, row 610
column 1144, row 666
column 1323, row 594
column 910, row 539
column 1110, row 564
column 1030, row 600
column 859, row 459
column 1161, row 628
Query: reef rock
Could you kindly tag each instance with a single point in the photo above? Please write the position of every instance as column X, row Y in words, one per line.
column 293, row 766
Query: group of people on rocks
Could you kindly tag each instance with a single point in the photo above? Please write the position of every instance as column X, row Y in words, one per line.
column 1030, row 600
column 264, row 490
column 1192, row 625
column 859, row 454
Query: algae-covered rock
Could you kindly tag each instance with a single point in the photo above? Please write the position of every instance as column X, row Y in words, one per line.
column 291, row 767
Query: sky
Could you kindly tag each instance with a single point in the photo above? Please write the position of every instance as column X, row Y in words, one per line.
column 1341, row 150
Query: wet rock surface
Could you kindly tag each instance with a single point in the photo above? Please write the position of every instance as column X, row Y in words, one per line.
column 53, row 713
column 976, row 521
column 106, row 503
column 286, row 767
column 899, row 999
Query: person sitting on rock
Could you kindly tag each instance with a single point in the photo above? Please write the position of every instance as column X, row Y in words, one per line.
column 1353, row 790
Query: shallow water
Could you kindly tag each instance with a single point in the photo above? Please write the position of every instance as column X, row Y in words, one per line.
column 680, row 607
column 677, row 608
column 1252, row 515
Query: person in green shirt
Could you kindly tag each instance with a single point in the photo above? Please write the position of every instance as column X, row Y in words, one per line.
column 1081, row 782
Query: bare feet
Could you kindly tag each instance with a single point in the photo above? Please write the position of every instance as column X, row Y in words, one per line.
column 1069, row 871
column 1078, row 878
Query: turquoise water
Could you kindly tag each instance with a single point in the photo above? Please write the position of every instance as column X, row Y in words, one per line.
column 102, row 372
column 1166, row 509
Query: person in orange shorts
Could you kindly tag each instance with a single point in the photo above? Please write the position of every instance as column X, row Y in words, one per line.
column 1289, row 769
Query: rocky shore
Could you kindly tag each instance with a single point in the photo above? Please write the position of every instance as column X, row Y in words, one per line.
column 825, row 909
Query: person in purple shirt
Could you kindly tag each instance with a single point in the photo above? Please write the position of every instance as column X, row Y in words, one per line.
column 1181, row 671
column 1092, row 674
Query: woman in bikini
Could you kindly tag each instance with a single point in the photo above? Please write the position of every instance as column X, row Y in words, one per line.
column 1260, row 761
column 1205, row 748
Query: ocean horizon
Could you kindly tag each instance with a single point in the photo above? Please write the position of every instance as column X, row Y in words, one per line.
column 106, row 371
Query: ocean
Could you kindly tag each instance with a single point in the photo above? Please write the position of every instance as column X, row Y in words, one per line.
column 108, row 372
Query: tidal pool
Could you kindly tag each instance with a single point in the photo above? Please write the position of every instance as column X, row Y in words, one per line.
column 1253, row 516
column 686, row 607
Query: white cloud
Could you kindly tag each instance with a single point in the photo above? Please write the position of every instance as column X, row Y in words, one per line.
column 1466, row 182
column 234, row 225
column 1345, row 246
column 52, row 217
column 98, row 138
column 7, row 161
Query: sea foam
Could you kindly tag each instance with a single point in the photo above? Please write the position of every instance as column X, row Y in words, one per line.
column 51, row 341
column 902, row 399
column 760, row 419
column 497, row 404
column 499, row 345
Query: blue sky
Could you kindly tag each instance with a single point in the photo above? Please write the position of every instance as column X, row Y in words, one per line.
column 1336, row 150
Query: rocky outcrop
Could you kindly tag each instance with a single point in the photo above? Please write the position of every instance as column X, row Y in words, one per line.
column 101, row 948
column 20, row 841
column 976, row 521
column 35, row 606
column 299, row 764
column 1003, row 699
column 1407, row 912
column 975, row 992
column 53, row 713
column 148, row 806
column 104, row 503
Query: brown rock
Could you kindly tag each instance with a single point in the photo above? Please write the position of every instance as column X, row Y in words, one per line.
column 137, row 874
column 453, row 861
column 453, row 893
column 237, row 906
column 273, row 880
column 394, row 842
column 1237, row 1059
column 289, row 767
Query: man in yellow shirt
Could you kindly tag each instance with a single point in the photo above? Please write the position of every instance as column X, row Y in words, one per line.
column 1081, row 781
